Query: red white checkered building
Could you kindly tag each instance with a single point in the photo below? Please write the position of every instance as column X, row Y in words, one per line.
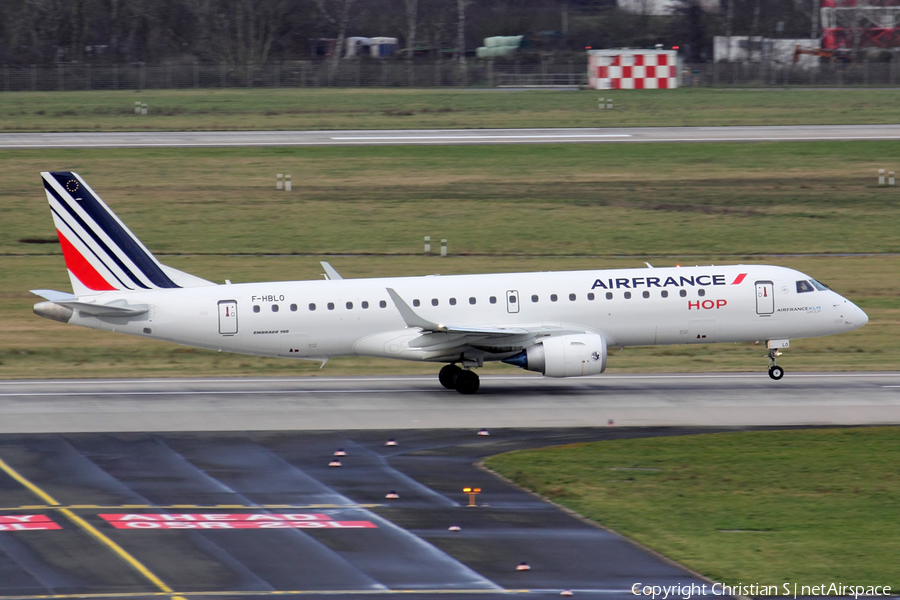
column 633, row 69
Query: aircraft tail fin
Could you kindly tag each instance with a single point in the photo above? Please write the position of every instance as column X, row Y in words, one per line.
column 101, row 253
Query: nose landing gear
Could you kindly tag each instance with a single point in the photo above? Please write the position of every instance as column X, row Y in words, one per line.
column 455, row 378
column 775, row 372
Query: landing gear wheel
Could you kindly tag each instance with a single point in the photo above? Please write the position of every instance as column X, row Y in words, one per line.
column 448, row 375
column 467, row 382
column 776, row 372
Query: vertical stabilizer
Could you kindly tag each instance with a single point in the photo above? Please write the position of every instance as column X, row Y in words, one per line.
column 101, row 253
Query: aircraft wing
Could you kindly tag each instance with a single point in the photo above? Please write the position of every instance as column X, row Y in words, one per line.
column 437, row 336
column 414, row 320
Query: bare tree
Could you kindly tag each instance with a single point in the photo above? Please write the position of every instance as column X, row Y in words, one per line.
column 461, row 39
column 412, row 13
column 340, row 22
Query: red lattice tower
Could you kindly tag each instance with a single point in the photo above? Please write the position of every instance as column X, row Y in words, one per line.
column 860, row 24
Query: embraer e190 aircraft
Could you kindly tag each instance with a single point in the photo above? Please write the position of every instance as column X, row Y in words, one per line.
column 557, row 323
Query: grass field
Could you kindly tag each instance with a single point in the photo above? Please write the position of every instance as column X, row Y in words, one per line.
column 809, row 506
column 438, row 108
column 509, row 208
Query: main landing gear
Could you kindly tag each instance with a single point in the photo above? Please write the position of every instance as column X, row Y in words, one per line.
column 461, row 380
column 775, row 372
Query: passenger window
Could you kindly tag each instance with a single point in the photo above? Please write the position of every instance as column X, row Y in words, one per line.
column 628, row 295
column 701, row 292
column 274, row 308
column 512, row 299
column 804, row 286
column 255, row 308
column 349, row 306
column 416, row 302
column 365, row 304
column 572, row 297
column 646, row 294
column 493, row 299
column 664, row 294
column 312, row 306
column 434, row 301
column 382, row 304
column 293, row 308
column 472, row 300
column 553, row 297
column 331, row 306
column 590, row 295
column 452, row 301
column 682, row 293
column 534, row 298
column 609, row 295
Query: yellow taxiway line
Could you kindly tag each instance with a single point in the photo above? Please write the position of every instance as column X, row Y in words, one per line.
column 93, row 531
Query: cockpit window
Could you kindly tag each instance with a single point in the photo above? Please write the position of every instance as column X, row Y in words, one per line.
column 818, row 285
column 804, row 286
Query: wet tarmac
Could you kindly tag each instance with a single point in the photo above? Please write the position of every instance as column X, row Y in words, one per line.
column 211, row 514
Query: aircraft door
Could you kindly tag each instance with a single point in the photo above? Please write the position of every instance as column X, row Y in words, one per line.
column 512, row 301
column 228, row 324
column 765, row 297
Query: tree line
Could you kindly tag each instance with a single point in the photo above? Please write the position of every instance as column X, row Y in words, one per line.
column 238, row 32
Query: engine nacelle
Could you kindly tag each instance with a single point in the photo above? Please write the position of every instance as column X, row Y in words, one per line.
column 564, row 356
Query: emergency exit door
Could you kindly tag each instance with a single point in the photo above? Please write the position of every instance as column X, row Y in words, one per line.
column 512, row 301
column 765, row 297
column 228, row 324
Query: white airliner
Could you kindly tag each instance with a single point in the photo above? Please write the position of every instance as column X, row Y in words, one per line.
column 556, row 323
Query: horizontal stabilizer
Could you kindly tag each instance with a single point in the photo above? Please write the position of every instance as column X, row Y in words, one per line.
column 53, row 295
column 116, row 308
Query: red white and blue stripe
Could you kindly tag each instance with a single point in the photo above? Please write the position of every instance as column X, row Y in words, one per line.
column 101, row 253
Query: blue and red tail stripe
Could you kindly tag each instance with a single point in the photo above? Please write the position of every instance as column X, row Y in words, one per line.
column 99, row 250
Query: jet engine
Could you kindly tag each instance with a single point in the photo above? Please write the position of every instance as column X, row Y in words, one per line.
column 564, row 356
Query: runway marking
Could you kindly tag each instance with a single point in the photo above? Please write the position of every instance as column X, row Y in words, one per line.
column 311, row 391
column 90, row 529
column 205, row 392
column 196, row 506
column 296, row 380
column 484, row 137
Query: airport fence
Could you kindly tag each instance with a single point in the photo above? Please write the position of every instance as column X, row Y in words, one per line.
column 442, row 73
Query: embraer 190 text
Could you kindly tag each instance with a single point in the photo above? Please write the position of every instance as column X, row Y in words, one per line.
column 558, row 323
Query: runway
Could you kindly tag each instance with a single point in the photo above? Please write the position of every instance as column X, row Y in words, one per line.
column 398, row 403
column 224, row 139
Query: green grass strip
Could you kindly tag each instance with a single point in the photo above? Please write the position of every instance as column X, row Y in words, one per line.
column 765, row 507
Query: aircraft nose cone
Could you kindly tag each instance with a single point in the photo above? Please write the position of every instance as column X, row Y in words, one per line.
column 863, row 317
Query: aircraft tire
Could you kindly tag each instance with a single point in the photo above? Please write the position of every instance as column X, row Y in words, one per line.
column 447, row 376
column 467, row 382
column 776, row 372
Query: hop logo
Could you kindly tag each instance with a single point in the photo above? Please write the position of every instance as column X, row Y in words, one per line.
column 595, row 356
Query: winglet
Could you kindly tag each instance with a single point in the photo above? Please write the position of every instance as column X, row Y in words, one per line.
column 330, row 272
column 410, row 317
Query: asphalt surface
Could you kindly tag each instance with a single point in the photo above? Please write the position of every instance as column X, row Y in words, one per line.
column 397, row 403
column 204, row 483
column 172, row 139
